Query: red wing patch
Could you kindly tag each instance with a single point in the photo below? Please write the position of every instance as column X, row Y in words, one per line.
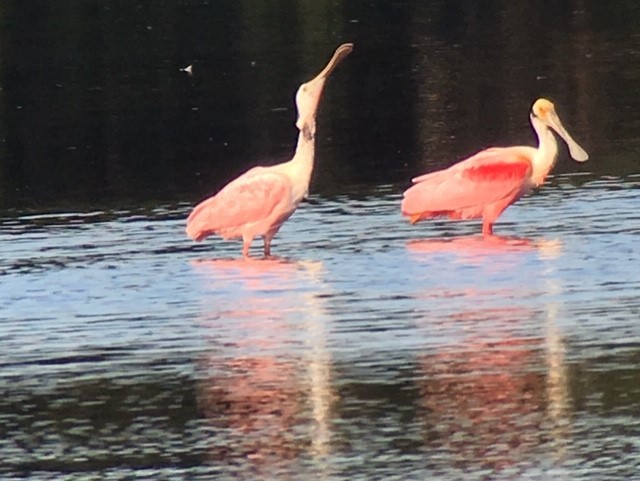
column 498, row 171
column 464, row 190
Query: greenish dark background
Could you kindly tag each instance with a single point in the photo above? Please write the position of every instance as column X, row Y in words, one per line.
column 94, row 109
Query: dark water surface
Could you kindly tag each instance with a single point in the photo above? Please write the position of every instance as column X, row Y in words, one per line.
column 371, row 349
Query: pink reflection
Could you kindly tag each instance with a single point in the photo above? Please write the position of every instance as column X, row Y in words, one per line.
column 249, row 266
column 472, row 243
column 260, row 386
column 486, row 400
column 477, row 247
column 257, row 273
column 256, row 402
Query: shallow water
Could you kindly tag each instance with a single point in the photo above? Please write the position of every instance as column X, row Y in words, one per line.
column 371, row 348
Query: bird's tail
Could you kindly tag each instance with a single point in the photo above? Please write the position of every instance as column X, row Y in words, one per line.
column 411, row 205
column 198, row 221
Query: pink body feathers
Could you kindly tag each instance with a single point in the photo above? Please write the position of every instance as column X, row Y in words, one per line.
column 482, row 186
column 485, row 184
column 259, row 201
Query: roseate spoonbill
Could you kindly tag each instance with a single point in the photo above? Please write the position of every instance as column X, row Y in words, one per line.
column 259, row 201
column 485, row 184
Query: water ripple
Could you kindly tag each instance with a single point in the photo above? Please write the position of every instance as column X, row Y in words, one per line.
column 425, row 350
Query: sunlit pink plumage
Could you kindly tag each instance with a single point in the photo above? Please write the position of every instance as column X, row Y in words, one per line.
column 259, row 201
column 485, row 184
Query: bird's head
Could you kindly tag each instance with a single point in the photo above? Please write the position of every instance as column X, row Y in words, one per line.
column 544, row 113
column 309, row 93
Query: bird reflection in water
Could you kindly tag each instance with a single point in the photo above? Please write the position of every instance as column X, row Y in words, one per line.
column 490, row 399
column 470, row 247
column 266, row 382
column 482, row 402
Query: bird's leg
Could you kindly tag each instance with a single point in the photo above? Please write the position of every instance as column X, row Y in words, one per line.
column 246, row 243
column 487, row 228
column 267, row 245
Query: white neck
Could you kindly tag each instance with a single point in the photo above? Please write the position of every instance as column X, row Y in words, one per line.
column 300, row 167
column 547, row 153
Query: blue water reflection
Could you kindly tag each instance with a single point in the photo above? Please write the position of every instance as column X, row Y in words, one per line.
column 422, row 350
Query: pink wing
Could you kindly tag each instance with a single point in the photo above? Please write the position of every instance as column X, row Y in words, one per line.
column 254, row 198
column 463, row 190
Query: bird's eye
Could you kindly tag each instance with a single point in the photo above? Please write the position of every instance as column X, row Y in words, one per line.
column 539, row 112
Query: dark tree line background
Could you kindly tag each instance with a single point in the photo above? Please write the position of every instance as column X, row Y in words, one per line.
column 94, row 109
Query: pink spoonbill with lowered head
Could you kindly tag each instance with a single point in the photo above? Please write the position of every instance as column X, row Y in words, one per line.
column 485, row 184
column 259, row 201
